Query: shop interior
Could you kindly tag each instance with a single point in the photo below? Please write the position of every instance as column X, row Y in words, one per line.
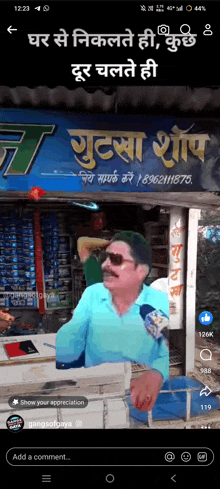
column 61, row 224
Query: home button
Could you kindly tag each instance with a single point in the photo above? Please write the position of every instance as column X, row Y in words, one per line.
column 109, row 478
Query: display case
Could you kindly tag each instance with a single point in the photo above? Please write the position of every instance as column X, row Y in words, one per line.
column 57, row 264
column 17, row 261
column 158, row 238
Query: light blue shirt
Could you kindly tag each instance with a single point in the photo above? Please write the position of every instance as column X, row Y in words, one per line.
column 97, row 333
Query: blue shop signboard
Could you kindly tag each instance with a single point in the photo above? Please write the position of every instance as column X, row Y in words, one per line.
column 86, row 153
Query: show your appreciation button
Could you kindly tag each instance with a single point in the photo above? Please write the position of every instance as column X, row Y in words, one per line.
column 47, row 402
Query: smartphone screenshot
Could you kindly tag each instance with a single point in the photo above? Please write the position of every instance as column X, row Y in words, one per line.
column 110, row 244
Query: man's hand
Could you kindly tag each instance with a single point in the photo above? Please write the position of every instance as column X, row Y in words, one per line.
column 5, row 316
column 5, row 319
column 145, row 389
column 86, row 245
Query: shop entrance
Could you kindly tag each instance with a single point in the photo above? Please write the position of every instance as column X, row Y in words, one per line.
column 61, row 224
column 62, row 273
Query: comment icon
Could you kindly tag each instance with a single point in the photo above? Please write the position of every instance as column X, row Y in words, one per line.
column 206, row 354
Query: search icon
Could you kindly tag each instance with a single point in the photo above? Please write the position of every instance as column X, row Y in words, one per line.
column 205, row 354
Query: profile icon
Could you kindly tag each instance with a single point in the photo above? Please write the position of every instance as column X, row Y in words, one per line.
column 15, row 423
column 207, row 31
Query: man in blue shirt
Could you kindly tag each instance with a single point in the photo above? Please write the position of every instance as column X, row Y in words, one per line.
column 121, row 320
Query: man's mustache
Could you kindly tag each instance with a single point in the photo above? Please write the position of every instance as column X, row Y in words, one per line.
column 106, row 271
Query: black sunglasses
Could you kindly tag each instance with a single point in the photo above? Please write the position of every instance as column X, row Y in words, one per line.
column 115, row 258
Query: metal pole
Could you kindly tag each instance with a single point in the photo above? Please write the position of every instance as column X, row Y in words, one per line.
column 188, row 404
column 150, row 419
column 191, row 289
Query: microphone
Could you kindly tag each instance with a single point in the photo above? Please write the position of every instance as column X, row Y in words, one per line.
column 155, row 321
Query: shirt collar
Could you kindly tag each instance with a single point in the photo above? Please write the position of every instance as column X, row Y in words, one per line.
column 106, row 296
column 141, row 299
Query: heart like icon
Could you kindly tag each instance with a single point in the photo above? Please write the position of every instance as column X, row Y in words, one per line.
column 205, row 391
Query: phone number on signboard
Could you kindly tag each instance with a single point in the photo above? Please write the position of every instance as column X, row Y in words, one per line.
column 165, row 179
